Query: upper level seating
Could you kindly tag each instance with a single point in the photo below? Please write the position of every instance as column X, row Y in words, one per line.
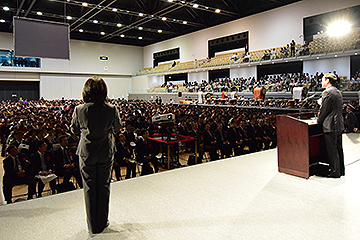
column 327, row 44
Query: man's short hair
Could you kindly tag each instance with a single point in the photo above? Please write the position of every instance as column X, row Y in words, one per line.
column 60, row 138
column 40, row 143
column 332, row 78
column 8, row 149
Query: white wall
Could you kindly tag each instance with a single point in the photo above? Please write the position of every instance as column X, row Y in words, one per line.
column 243, row 72
column 56, row 86
column 269, row 29
column 340, row 65
column 198, row 76
column 65, row 78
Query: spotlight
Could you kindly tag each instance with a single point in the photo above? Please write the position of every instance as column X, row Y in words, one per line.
column 102, row 33
column 2, row 20
column 39, row 13
column 85, row 4
column 114, row 10
column 140, row 28
column 122, row 35
column 140, row 38
column 141, row 14
column 95, row 21
column 217, row 10
column 184, row 22
column 163, row 18
column 80, row 30
column 159, row 31
column 338, row 28
column 196, row 5
column 69, row 17
column 6, row 8
column 119, row 25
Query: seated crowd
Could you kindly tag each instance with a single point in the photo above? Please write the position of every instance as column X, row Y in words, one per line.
column 37, row 138
column 273, row 83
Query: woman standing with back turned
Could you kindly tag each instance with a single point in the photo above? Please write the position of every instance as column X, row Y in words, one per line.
column 96, row 122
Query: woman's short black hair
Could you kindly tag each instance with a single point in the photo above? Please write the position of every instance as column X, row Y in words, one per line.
column 95, row 90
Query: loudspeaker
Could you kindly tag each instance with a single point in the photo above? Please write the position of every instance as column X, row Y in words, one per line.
column 179, row 94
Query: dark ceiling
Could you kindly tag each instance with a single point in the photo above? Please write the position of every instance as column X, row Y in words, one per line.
column 133, row 22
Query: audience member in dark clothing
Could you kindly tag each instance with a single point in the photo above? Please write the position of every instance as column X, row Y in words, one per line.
column 17, row 171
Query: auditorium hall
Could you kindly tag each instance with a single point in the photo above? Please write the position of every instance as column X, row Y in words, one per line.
column 219, row 104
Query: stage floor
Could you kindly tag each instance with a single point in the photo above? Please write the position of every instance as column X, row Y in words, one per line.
column 239, row 198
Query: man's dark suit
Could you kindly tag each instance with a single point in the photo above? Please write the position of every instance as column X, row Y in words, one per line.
column 96, row 124
column 11, row 178
column 210, row 145
column 234, row 137
column 144, row 149
column 123, row 150
column 61, row 160
column 330, row 117
column 37, row 168
column 222, row 143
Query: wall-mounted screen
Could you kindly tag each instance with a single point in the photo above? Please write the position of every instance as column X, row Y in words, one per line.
column 34, row 38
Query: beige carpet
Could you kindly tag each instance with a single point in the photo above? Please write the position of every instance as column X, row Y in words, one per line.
column 239, row 198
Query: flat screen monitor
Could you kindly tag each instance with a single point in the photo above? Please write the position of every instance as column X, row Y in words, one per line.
column 34, row 38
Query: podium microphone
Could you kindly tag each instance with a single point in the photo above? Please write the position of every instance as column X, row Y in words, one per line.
column 310, row 97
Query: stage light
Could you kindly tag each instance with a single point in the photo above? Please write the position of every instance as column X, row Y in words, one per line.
column 339, row 28
column 69, row 18
column 6, row 8
column 184, row 22
column 80, row 30
column 39, row 13
column 119, row 25
column 196, row 5
column 122, row 35
column 140, row 38
column 159, row 31
column 2, row 20
column 163, row 18
column 102, row 33
column 95, row 21
column 217, row 10
column 85, row 4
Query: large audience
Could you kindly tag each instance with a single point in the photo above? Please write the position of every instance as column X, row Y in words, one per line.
column 36, row 136
column 273, row 83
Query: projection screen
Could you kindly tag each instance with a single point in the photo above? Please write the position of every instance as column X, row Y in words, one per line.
column 34, row 38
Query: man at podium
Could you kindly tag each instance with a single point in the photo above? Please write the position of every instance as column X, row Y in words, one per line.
column 330, row 117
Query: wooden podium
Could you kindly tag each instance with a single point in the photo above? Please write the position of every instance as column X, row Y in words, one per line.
column 300, row 145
